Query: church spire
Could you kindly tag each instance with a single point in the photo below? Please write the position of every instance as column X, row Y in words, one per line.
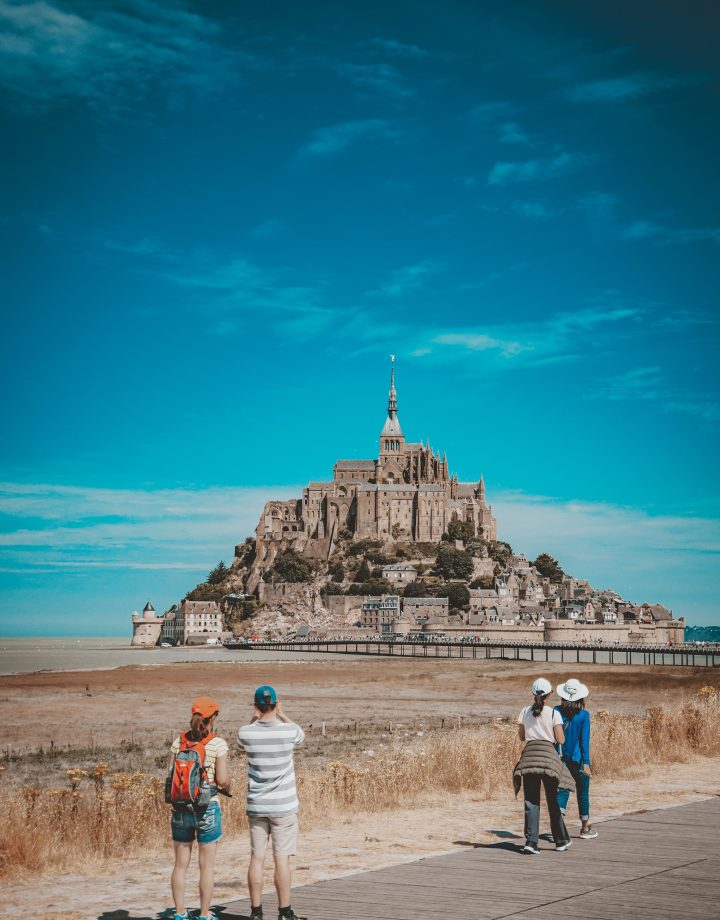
column 392, row 396
column 392, row 439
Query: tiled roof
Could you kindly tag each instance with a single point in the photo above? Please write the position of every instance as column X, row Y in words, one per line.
column 355, row 465
column 427, row 601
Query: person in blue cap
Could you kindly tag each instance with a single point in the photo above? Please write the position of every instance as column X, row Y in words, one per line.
column 269, row 742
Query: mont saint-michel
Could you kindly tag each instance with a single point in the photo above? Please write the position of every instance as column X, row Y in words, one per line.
column 396, row 545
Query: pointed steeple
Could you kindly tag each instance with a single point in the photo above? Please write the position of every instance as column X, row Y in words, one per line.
column 481, row 489
column 392, row 428
column 392, row 396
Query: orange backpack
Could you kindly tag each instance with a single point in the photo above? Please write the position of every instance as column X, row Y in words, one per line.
column 187, row 787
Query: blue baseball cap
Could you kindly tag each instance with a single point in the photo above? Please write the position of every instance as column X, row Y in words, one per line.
column 265, row 694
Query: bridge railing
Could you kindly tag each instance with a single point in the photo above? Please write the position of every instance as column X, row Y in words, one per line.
column 678, row 655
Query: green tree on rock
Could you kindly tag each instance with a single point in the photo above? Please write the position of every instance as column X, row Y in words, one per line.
column 218, row 574
column 457, row 594
column 363, row 573
column 417, row 589
column 549, row 568
column 291, row 567
column 500, row 551
column 336, row 570
column 453, row 563
column 461, row 530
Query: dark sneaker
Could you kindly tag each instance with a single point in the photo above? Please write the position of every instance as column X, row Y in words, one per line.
column 256, row 914
column 291, row 916
column 565, row 845
column 531, row 848
column 587, row 833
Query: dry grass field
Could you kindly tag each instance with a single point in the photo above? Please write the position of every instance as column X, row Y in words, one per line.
column 85, row 752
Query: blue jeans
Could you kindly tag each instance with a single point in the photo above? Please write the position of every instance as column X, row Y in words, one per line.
column 582, row 790
column 206, row 825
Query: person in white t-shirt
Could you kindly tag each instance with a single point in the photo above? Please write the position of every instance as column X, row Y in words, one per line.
column 541, row 723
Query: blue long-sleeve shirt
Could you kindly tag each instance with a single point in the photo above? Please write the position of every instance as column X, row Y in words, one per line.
column 577, row 737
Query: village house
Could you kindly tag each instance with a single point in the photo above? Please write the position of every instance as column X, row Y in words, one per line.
column 399, row 574
column 427, row 608
column 379, row 613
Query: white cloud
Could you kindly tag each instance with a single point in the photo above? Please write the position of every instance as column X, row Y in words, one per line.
column 335, row 139
column 510, row 132
column 562, row 164
column 379, row 79
column 540, row 341
column 407, row 279
column 103, row 53
column 628, row 88
column 62, row 526
column 649, row 385
column 474, row 341
column 485, row 112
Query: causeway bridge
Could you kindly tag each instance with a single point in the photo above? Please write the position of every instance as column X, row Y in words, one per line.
column 706, row 656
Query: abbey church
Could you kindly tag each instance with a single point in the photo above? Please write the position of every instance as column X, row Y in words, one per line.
column 405, row 494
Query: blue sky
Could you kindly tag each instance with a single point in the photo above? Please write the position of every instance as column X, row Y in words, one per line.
column 219, row 219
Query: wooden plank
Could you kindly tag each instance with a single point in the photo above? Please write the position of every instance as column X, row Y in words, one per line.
column 661, row 864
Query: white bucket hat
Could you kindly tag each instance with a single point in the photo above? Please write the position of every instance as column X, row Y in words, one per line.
column 542, row 685
column 572, row 690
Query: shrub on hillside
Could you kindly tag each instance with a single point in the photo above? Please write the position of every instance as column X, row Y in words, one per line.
column 362, row 547
column 418, row 589
column 487, row 582
column 206, row 592
column 461, row 530
column 375, row 588
column 218, row 574
column 456, row 592
column 500, row 551
column 363, row 573
column 549, row 568
column 336, row 570
column 291, row 567
column 453, row 563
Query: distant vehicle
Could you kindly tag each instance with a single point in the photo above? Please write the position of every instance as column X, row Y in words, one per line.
column 213, row 640
column 166, row 645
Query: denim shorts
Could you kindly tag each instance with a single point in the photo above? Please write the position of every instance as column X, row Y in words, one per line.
column 207, row 826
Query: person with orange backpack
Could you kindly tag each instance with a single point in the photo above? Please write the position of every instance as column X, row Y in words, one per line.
column 198, row 770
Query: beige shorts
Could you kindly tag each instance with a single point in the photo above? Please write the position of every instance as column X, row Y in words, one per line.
column 284, row 833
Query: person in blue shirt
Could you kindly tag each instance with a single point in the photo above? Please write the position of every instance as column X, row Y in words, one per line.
column 575, row 750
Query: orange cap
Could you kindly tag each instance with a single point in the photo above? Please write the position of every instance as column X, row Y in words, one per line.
column 205, row 706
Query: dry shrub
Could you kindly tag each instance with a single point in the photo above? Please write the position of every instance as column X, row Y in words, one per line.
column 102, row 815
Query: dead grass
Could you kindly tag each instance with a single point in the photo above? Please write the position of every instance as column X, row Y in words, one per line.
column 98, row 814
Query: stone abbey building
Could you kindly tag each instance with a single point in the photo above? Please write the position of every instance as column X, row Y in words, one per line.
column 407, row 494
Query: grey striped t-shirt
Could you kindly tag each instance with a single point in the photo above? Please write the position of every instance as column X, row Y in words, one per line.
column 271, row 772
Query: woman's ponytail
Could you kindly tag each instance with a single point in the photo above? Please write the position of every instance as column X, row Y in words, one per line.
column 539, row 704
column 198, row 727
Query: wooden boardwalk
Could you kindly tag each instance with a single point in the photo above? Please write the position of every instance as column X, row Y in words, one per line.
column 659, row 865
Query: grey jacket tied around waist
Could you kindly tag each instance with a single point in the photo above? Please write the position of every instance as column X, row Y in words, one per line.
column 541, row 757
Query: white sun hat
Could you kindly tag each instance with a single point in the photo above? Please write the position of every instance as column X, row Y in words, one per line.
column 572, row 690
column 542, row 685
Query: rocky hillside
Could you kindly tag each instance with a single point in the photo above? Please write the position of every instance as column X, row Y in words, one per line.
column 292, row 590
